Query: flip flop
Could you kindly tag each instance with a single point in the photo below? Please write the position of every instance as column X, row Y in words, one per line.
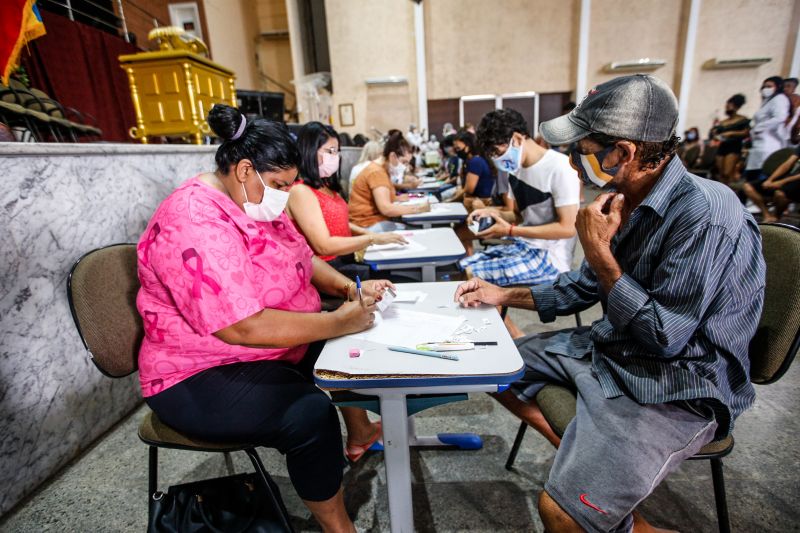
column 361, row 449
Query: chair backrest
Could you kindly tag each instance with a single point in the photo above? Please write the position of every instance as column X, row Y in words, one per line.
column 708, row 158
column 101, row 288
column 777, row 337
column 689, row 155
column 775, row 160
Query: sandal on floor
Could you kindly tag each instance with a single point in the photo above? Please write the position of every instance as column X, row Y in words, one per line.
column 361, row 449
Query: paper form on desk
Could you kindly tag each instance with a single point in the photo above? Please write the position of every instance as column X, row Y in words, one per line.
column 403, row 327
column 388, row 251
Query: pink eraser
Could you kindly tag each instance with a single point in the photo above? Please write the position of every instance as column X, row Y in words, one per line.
column 355, row 352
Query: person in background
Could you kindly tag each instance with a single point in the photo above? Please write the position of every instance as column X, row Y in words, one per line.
column 372, row 200
column 371, row 151
column 543, row 190
column 783, row 185
column 317, row 209
column 729, row 133
column 231, row 312
column 676, row 263
column 451, row 164
column 448, row 129
column 767, row 133
column 792, row 126
column 691, row 140
column 477, row 175
column 470, row 127
column 408, row 180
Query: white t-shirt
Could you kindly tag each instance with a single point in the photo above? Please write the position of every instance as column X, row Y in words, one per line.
column 538, row 190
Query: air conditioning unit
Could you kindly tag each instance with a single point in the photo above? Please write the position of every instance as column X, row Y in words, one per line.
column 388, row 80
column 741, row 62
column 635, row 65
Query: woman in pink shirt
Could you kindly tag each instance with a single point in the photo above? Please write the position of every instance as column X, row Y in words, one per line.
column 231, row 312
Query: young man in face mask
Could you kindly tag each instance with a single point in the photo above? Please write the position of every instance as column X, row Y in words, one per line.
column 540, row 188
column 676, row 262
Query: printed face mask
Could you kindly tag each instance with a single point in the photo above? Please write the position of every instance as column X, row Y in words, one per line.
column 590, row 167
column 511, row 160
column 272, row 203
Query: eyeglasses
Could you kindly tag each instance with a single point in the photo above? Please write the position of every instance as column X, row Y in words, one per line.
column 332, row 150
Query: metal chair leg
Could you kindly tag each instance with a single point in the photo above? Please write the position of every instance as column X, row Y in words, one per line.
column 272, row 488
column 152, row 478
column 512, row 455
column 719, row 496
column 578, row 321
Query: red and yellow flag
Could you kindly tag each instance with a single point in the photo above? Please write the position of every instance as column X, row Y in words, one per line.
column 20, row 23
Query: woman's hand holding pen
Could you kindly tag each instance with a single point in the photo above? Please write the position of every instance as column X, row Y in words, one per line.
column 356, row 315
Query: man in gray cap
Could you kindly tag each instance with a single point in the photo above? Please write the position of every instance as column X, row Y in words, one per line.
column 676, row 263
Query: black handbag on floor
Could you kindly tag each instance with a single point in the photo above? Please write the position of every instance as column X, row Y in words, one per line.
column 233, row 504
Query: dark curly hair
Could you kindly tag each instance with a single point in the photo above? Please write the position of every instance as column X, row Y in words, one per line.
column 497, row 127
column 268, row 145
column 309, row 140
column 650, row 154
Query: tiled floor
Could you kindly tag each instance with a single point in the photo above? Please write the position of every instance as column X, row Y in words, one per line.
column 105, row 490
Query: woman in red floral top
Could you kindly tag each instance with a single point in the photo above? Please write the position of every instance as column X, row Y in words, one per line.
column 317, row 208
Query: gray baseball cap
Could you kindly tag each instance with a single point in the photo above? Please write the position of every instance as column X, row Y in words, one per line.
column 638, row 108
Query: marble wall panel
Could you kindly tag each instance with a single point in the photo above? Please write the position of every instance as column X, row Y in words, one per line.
column 56, row 203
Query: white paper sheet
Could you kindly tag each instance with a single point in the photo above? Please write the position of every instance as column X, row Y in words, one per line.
column 403, row 327
column 396, row 250
column 410, row 296
column 389, row 246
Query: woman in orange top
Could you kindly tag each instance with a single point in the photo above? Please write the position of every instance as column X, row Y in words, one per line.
column 317, row 208
column 373, row 195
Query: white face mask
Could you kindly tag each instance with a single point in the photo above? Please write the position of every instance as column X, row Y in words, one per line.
column 272, row 203
column 766, row 92
column 397, row 172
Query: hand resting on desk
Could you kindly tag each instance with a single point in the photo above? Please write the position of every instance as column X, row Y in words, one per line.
column 474, row 292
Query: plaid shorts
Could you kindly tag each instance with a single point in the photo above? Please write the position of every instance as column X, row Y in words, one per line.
column 517, row 263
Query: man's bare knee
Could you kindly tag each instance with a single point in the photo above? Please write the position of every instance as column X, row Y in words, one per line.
column 554, row 518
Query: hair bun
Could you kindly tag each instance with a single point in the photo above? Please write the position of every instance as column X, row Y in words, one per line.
column 224, row 121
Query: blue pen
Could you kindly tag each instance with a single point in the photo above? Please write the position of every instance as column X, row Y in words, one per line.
column 428, row 353
column 358, row 290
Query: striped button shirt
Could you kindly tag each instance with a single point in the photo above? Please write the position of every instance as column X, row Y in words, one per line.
column 677, row 324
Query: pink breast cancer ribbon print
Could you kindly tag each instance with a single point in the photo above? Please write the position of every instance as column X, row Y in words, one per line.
column 144, row 246
column 199, row 278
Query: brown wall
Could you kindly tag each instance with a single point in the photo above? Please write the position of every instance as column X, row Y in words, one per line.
column 368, row 39
column 479, row 47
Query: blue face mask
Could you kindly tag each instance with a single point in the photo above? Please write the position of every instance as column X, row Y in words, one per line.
column 590, row 167
column 511, row 160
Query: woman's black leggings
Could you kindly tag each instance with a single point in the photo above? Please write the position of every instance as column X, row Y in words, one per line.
column 266, row 403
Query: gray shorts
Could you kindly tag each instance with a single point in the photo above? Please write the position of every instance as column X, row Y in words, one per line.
column 615, row 451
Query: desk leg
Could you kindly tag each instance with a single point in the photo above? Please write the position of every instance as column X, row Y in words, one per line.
column 428, row 273
column 397, row 460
